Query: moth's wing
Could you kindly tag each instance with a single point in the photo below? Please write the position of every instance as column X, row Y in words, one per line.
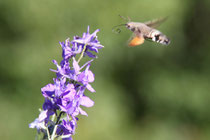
column 136, row 39
column 156, row 22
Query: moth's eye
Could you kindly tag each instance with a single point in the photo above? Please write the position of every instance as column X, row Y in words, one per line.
column 128, row 26
column 133, row 29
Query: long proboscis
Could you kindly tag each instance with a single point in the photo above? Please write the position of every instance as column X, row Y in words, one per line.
column 118, row 30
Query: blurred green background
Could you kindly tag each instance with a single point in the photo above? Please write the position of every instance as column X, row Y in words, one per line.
column 149, row 92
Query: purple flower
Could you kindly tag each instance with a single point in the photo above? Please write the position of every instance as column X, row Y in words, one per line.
column 87, row 77
column 72, row 105
column 67, row 127
column 68, row 50
column 91, row 42
column 38, row 123
column 57, row 89
column 64, row 98
column 63, row 70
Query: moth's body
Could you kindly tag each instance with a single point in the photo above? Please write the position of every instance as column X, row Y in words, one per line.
column 139, row 28
column 143, row 31
column 146, row 30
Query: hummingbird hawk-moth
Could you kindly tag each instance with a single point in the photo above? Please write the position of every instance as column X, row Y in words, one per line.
column 144, row 31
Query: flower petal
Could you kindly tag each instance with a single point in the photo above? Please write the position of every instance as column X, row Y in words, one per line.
column 82, row 112
column 86, row 101
column 43, row 115
column 90, row 88
column 76, row 66
column 48, row 90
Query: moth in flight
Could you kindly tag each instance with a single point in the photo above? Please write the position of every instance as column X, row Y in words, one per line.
column 144, row 31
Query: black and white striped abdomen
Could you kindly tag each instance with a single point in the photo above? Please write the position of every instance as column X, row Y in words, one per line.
column 159, row 37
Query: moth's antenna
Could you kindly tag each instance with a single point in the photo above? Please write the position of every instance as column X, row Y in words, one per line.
column 126, row 19
column 129, row 19
column 118, row 30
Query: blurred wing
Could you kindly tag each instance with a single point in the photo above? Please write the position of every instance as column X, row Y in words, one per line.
column 136, row 40
column 155, row 23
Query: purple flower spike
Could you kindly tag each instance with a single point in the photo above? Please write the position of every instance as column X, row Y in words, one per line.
column 65, row 98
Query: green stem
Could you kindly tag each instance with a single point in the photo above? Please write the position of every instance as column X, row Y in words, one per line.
column 58, row 118
column 54, row 130
column 53, row 117
column 48, row 134
column 82, row 53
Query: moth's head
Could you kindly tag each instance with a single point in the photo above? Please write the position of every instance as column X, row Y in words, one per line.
column 131, row 26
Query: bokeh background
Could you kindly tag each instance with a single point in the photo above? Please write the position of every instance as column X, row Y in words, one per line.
column 150, row 92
